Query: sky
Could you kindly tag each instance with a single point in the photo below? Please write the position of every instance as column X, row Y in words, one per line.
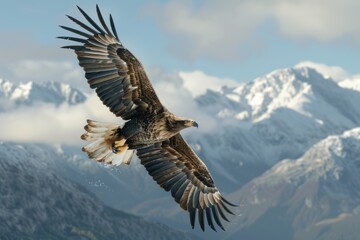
column 186, row 48
column 236, row 40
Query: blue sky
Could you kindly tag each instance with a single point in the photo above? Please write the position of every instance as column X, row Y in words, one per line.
column 186, row 47
column 210, row 36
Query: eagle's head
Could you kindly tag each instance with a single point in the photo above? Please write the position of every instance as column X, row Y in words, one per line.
column 176, row 124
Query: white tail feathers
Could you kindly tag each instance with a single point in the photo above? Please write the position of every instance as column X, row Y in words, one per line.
column 107, row 143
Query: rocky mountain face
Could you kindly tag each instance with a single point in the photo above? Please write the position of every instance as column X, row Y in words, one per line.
column 312, row 197
column 38, row 203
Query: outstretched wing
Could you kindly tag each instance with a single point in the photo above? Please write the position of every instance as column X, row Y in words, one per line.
column 118, row 77
column 176, row 168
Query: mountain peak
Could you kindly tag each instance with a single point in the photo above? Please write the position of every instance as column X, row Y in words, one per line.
column 48, row 92
column 6, row 87
column 22, row 91
column 276, row 116
column 298, row 89
column 327, row 159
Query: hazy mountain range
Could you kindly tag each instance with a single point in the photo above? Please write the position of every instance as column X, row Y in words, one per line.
column 286, row 147
column 38, row 203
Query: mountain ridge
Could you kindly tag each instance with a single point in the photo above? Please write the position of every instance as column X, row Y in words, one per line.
column 317, row 190
column 46, row 92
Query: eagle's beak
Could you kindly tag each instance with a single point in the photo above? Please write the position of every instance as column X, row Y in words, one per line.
column 191, row 123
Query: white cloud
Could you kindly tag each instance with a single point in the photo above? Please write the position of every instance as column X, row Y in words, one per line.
column 197, row 82
column 47, row 70
column 224, row 29
column 25, row 59
column 178, row 98
column 335, row 72
column 22, row 45
column 64, row 124
column 177, row 90
column 213, row 29
column 179, row 101
column 49, row 124
column 323, row 20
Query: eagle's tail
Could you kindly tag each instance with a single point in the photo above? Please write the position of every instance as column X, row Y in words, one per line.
column 107, row 143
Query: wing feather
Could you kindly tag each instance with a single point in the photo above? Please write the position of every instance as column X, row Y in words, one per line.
column 216, row 217
column 176, row 168
column 222, row 214
column 113, row 27
column 192, row 217
column 209, row 218
column 91, row 21
column 102, row 20
column 108, row 65
column 180, row 191
column 169, row 185
column 83, row 25
column 201, row 218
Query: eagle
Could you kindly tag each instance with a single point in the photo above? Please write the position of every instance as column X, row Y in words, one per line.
column 150, row 129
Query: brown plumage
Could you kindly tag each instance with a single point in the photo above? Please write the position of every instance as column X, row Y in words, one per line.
column 121, row 83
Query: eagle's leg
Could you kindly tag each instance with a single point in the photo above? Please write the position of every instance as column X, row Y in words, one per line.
column 107, row 144
column 119, row 147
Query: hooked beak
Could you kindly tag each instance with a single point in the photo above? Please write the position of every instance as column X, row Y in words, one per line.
column 191, row 123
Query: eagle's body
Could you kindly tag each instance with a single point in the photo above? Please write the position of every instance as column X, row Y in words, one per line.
column 151, row 130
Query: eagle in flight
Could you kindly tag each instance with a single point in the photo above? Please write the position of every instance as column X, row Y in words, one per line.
column 151, row 130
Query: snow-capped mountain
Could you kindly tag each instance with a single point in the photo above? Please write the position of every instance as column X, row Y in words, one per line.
column 37, row 203
column 313, row 194
column 31, row 92
column 277, row 116
column 302, row 90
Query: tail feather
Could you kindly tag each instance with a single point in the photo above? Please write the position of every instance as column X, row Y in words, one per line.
column 128, row 156
column 91, row 136
column 107, row 144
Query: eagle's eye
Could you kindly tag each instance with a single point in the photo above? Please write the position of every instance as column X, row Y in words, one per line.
column 170, row 123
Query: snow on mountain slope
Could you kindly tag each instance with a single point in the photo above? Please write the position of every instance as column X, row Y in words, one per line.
column 327, row 159
column 300, row 89
column 317, row 191
column 351, row 83
column 37, row 203
column 48, row 92
column 277, row 116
